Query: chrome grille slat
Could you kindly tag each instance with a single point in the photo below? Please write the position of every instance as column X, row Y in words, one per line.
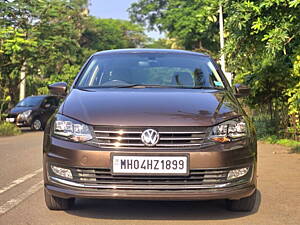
column 101, row 178
column 180, row 138
column 104, row 177
column 177, row 145
column 108, row 177
column 119, row 144
column 119, row 138
column 149, row 187
column 152, row 182
column 170, row 137
column 118, row 132
column 179, row 132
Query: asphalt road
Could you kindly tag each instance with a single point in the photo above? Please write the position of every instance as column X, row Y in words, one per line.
column 22, row 199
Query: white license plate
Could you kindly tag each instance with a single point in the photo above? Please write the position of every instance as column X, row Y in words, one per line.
column 11, row 120
column 150, row 165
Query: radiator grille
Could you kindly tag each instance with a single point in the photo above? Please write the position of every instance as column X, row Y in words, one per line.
column 170, row 137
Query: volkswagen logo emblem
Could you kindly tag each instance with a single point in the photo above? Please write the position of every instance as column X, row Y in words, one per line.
column 150, row 137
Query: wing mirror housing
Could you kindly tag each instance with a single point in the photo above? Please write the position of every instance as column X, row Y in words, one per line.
column 59, row 88
column 241, row 90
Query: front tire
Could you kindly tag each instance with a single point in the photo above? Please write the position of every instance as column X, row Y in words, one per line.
column 36, row 124
column 56, row 203
column 244, row 204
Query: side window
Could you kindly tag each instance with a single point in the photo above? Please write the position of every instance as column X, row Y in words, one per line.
column 52, row 101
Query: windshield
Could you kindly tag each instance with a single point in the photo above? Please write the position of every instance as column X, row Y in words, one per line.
column 30, row 101
column 150, row 69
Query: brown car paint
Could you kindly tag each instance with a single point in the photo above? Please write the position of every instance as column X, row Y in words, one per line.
column 147, row 108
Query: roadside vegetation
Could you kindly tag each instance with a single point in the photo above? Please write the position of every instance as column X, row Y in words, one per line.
column 293, row 145
column 262, row 49
column 8, row 129
column 50, row 40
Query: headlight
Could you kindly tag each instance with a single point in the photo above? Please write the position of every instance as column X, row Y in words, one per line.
column 71, row 129
column 25, row 114
column 229, row 130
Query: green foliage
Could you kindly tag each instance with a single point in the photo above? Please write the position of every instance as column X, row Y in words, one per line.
column 293, row 145
column 104, row 34
column 192, row 23
column 264, row 125
column 50, row 40
column 294, row 92
column 262, row 40
column 3, row 104
column 8, row 129
column 160, row 43
column 14, row 46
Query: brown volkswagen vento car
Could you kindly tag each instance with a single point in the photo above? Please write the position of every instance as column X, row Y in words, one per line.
column 150, row 124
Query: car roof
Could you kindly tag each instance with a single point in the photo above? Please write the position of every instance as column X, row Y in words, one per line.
column 149, row 50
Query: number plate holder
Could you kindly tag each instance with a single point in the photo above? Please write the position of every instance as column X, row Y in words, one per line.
column 146, row 164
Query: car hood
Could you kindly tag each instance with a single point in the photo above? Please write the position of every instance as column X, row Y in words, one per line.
column 151, row 107
column 18, row 110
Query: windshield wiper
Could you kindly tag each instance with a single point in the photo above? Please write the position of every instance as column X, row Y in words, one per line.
column 140, row 86
column 165, row 86
column 205, row 87
column 147, row 86
column 85, row 89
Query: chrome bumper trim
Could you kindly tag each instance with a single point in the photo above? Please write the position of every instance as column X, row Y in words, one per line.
column 149, row 187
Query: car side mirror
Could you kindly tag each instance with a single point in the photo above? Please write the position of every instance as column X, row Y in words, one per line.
column 241, row 90
column 59, row 88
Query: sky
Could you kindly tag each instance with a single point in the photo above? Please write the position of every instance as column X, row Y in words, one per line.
column 116, row 9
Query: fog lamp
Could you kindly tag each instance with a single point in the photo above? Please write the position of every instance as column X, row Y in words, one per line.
column 233, row 174
column 63, row 172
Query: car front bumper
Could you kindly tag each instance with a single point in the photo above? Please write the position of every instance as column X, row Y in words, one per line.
column 178, row 195
column 84, row 157
column 20, row 122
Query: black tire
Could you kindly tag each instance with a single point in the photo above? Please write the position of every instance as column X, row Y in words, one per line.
column 36, row 124
column 244, row 204
column 56, row 203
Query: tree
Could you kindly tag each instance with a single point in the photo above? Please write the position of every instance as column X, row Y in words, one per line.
column 13, row 50
column 54, row 38
column 104, row 34
column 192, row 23
column 262, row 43
column 160, row 43
column 15, row 44
column 44, row 34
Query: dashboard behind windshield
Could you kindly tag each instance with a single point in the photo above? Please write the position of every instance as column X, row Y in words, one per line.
column 159, row 69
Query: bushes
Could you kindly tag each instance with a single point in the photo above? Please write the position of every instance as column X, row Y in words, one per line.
column 294, row 145
column 266, row 130
column 265, row 126
column 8, row 129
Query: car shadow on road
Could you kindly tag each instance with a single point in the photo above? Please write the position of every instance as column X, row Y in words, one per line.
column 157, row 210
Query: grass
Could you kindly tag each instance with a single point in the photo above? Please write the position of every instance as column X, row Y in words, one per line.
column 294, row 145
column 8, row 129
